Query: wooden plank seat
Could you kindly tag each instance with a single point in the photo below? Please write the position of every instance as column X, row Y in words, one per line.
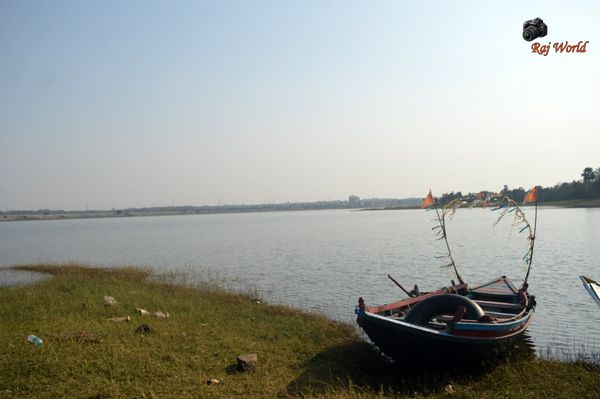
column 499, row 305
column 501, row 315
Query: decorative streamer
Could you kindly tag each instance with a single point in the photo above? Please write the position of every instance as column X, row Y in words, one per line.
column 499, row 202
column 440, row 230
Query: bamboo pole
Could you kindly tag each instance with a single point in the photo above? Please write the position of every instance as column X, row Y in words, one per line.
column 398, row 284
column 443, row 226
column 532, row 244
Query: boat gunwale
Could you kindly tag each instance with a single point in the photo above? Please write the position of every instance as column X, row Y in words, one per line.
column 412, row 300
column 404, row 327
column 473, row 325
column 524, row 305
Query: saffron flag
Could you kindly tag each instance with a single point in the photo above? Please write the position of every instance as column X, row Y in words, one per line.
column 531, row 195
column 428, row 201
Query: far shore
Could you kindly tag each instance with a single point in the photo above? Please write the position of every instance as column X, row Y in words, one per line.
column 586, row 203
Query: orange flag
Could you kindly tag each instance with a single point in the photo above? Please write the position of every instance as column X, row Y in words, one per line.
column 531, row 195
column 428, row 201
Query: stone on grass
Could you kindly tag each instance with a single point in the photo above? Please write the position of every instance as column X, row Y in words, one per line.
column 213, row 381
column 247, row 362
column 143, row 328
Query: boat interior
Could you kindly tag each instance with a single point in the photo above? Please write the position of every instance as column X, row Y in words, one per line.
column 499, row 299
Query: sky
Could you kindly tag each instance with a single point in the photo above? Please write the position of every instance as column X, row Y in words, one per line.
column 118, row 104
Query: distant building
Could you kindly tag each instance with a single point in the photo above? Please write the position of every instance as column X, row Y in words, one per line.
column 354, row 201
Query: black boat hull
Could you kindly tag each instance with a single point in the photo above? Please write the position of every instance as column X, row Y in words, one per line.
column 403, row 341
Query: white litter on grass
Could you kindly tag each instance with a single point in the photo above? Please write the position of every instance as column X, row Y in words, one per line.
column 109, row 301
column 160, row 315
column 117, row 319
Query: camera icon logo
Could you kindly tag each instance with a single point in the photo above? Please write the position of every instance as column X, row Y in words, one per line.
column 534, row 28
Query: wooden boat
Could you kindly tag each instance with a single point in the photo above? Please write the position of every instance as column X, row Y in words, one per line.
column 453, row 325
column 592, row 287
column 456, row 324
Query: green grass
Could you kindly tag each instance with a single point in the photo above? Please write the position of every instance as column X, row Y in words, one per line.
column 86, row 356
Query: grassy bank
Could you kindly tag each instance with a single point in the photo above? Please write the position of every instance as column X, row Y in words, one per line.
column 85, row 355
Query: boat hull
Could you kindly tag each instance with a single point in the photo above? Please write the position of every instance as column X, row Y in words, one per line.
column 592, row 287
column 402, row 341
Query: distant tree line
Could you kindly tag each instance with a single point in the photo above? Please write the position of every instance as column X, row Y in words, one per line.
column 587, row 187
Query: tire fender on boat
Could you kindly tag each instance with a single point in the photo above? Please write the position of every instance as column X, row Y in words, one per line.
column 423, row 311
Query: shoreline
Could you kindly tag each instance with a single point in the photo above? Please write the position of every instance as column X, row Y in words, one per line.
column 71, row 215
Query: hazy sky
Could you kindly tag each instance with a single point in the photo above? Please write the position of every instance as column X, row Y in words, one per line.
column 138, row 103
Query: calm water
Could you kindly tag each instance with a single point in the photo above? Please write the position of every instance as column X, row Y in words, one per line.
column 325, row 260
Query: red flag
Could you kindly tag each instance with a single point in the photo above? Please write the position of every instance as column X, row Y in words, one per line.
column 428, row 201
column 531, row 195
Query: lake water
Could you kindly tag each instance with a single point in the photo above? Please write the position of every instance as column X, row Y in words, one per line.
column 325, row 260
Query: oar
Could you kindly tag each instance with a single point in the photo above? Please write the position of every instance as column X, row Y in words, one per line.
column 398, row 284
